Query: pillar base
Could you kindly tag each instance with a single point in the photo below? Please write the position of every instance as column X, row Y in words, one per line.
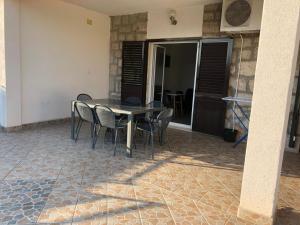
column 254, row 217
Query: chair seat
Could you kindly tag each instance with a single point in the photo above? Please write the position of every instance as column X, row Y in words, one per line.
column 121, row 124
column 145, row 126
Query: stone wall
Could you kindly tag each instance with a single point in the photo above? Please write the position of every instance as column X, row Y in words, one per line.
column 123, row 28
column 211, row 28
column 212, row 20
column 247, row 69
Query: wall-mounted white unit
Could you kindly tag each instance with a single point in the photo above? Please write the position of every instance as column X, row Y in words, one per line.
column 241, row 16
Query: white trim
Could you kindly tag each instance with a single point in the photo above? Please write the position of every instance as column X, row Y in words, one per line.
column 199, row 46
column 180, row 126
column 174, row 42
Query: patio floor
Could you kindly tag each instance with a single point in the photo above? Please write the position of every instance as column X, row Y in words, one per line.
column 48, row 179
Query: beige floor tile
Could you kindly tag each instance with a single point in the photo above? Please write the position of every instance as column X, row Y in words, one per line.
column 195, row 220
column 117, row 221
column 94, row 210
column 197, row 181
column 123, row 210
column 179, row 206
column 212, row 215
column 160, row 221
column 120, row 191
column 221, row 200
column 52, row 214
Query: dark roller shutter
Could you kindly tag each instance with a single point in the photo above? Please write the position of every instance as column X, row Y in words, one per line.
column 212, row 86
column 134, row 70
column 212, row 77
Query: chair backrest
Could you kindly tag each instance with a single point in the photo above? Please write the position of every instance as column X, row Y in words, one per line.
column 155, row 104
column 164, row 118
column 133, row 101
column 84, row 97
column 84, row 111
column 106, row 116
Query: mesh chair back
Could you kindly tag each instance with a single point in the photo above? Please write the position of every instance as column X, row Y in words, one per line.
column 84, row 97
column 84, row 111
column 106, row 116
column 156, row 104
column 164, row 118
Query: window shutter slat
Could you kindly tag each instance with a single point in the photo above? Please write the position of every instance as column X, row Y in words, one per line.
column 133, row 70
column 212, row 68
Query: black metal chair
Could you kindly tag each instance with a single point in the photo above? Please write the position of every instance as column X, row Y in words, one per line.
column 84, row 97
column 85, row 114
column 107, row 119
column 156, row 125
column 155, row 104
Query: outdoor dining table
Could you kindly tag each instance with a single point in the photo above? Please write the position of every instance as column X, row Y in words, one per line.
column 119, row 108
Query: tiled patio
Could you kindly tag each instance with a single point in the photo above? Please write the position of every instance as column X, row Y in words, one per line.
column 48, row 179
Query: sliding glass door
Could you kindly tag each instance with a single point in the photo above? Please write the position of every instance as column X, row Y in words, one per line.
column 174, row 71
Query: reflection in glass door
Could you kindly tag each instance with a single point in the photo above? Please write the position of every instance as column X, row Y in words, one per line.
column 159, row 72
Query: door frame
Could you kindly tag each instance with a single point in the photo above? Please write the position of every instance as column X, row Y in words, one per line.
column 151, row 73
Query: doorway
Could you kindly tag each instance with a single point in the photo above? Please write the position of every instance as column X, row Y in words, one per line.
column 174, row 70
column 192, row 77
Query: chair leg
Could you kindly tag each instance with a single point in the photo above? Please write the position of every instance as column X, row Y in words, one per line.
column 104, row 137
column 168, row 142
column 94, row 135
column 116, row 139
column 92, row 130
column 152, row 145
column 145, row 138
column 134, row 137
column 78, row 129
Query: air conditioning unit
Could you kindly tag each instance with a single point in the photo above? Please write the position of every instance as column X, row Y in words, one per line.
column 241, row 16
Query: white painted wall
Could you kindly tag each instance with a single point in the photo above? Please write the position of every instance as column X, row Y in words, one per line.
column 10, row 75
column 61, row 56
column 2, row 67
column 190, row 21
column 12, row 63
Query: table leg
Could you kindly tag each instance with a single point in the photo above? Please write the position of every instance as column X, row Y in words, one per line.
column 72, row 123
column 174, row 105
column 129, row 136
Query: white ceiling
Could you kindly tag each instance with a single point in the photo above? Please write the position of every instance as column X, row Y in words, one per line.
column 122, row 7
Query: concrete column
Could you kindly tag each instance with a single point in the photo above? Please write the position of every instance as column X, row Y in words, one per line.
column 275, row 71
column 10, row 64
